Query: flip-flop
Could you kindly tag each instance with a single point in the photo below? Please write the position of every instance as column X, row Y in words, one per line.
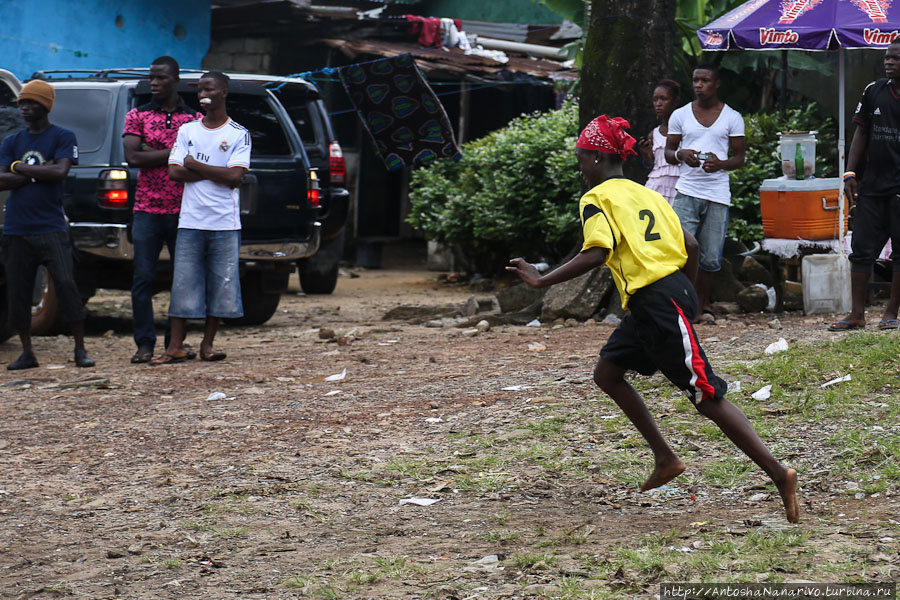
column 846, row 325
column 886, row 324
column 167, row 359
column 212, row 356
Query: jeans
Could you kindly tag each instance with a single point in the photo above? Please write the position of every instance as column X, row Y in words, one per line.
column 206, row 282
column 708, row 222
column 149, row 232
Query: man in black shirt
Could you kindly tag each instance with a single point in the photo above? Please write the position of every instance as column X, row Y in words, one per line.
column 876, row 142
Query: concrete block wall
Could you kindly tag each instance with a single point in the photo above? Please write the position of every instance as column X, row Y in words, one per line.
column 244, row 55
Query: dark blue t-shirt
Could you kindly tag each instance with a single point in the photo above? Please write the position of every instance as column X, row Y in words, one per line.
column 37, row 208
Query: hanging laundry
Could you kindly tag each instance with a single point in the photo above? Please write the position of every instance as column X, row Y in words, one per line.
column 398, row 108
column 452, row 35
column 427, row 30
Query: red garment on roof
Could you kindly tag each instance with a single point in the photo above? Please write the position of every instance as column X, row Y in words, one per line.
column 428, row 30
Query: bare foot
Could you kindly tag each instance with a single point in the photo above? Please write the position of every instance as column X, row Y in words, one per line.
column 665, row 473
column 788, row 491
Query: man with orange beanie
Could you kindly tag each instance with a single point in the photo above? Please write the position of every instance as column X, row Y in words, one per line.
column 34, row 164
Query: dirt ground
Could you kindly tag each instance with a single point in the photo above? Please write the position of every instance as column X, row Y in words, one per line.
column 256, row 477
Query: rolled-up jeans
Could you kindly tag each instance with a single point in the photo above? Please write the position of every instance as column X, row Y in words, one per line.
column 149, row 232
column 206, row 282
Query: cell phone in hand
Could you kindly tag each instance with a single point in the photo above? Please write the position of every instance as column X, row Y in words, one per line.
column 704, row 155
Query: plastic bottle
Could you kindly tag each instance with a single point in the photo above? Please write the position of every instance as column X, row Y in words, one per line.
column 798, row 162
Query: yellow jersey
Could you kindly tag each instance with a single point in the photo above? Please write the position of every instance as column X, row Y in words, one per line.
column 640, row 230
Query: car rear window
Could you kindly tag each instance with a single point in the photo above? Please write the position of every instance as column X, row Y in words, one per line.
column 303, row 112
column 266, row 132
column 86, row 113
column 303, row 121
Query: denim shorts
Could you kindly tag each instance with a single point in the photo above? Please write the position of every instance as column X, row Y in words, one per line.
column 206, row 281
column 708, row 222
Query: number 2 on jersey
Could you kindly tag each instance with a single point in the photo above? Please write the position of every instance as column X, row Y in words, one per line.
column 649, row 235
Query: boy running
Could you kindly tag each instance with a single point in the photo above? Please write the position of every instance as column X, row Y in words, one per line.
column 635, row 232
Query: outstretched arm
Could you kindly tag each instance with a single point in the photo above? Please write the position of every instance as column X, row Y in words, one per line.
column 582, row 263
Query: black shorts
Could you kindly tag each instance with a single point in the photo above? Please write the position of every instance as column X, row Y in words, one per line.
column 876, row 220
column 657, row 335
column 22, row 255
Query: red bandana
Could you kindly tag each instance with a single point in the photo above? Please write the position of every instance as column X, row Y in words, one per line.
column 608, row 136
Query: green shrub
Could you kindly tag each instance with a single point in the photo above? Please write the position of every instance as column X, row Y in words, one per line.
column 514, row 193
column 764, row 162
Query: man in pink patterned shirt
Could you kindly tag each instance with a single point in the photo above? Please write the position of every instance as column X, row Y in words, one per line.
column 149, row 135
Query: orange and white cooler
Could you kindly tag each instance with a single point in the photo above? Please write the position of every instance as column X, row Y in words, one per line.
column 805, row 209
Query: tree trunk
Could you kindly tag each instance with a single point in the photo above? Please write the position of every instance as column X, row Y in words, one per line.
column 629, row 48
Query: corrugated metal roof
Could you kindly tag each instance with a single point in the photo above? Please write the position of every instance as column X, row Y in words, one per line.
column 513, row 32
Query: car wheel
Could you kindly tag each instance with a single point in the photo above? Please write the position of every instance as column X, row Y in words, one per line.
column 259, row 306
column 319, row 273
column 319, row 282
column 44, row 304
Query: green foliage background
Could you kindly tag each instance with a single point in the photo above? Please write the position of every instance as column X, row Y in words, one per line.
column 514, row 193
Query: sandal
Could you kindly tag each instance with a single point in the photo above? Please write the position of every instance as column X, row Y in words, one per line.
column 846, row 325
column 886, row 324
column 212, row 356
column 143, row 355
column 167, row 359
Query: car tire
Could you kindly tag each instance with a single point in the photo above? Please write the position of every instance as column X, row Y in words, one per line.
column 319, row 282
column 259, row 305
column 319, row 273
column 45, row 304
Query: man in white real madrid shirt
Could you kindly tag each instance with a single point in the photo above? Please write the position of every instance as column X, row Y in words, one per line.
column 210, row 156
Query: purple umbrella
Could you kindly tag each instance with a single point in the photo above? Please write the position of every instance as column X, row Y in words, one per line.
column 807, row 25
column 803, row 25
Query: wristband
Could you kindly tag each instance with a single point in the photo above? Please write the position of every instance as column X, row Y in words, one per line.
column 676, row 155
column 849, row 175
column 644, row 163
column 12, row 167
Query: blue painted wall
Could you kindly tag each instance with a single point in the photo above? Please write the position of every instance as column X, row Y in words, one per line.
column 97, row 34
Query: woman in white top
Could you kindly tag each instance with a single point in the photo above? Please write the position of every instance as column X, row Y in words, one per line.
column 663, row 176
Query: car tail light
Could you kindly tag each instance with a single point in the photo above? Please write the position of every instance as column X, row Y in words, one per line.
column 336, row 166
column 113, row 191
column 313, row 190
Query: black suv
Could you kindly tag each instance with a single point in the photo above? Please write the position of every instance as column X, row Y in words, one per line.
column 293, row 203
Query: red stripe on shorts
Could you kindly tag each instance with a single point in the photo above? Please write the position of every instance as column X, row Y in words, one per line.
column 692, row 360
